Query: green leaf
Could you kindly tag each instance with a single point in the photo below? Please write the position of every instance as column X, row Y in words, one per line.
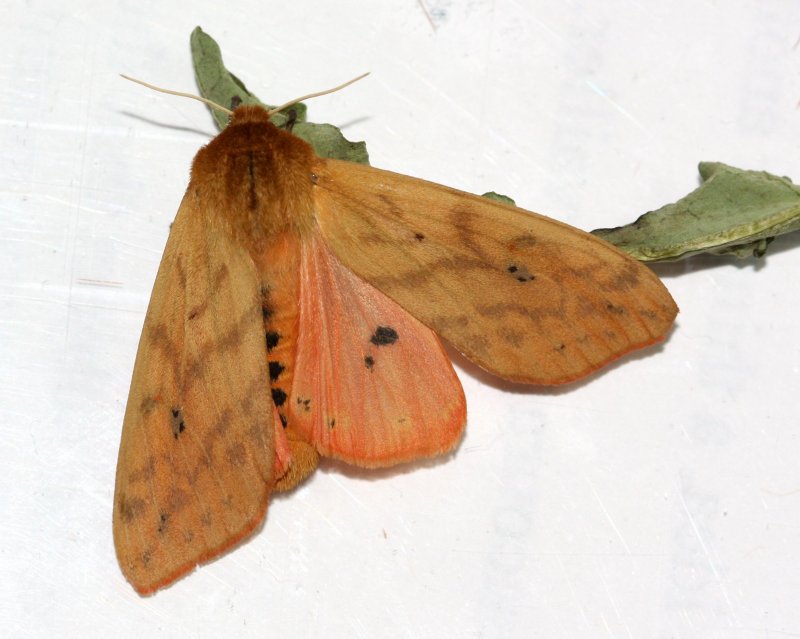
column 219, row 85
column 734, row 212
column 503, row 199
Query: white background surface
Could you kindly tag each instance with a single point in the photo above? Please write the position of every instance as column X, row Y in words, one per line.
column 661, row 498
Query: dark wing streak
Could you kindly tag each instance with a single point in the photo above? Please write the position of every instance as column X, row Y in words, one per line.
column 623, row 322
column 619, row 324
column 188, row 469
column 207, row 455
column 639, row 314
column 601, row 336
column 151, row 485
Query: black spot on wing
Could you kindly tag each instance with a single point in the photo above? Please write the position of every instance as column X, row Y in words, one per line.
column 369, row 361
column 266, row 306
column 176, row 422
column 273, row 337
column 163, row 519
column 278, row 396
column 384, row 336
column 275, row 370
column 521, row 273
column 284, row 421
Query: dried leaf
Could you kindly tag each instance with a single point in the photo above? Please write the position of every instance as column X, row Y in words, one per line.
column 734, row 212
column 223, row 87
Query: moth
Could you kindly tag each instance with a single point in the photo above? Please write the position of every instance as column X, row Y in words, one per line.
column 297, row 313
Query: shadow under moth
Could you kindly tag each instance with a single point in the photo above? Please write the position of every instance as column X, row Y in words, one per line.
column 297, row 313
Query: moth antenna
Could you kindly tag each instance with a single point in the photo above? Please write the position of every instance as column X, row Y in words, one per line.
column 210, row 103
column 315, row 95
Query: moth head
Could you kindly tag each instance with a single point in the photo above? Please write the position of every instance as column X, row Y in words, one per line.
column 255, row 178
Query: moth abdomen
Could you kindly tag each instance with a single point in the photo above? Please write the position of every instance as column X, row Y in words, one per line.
column 278, row 264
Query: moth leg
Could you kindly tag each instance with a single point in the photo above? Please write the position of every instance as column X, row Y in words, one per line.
column 290, row 120
column 305, row 460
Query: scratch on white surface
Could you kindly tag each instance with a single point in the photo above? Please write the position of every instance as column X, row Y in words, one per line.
column 616, row 105
column 773, row 631
column 276, row 573
column 357, row 625
column 497, row 478
column 486, row 445
column 714, row 570
column 686, row 433
column 25, row 329
column 776, row 493
column 213, row 574
column 605, row 623
column 76, row 216
column 465, row 110
column 507, row 145
column 49, row 126
column 613, row 601
column 29, row 242
column 342, row 487
column 427, row 14
column 138, row 247
column 639, row 5
column 104, row 307
column 119, row 131
column 574, row 594
column 608, row 516
column 51, row 299
column 89, row 282
column 531, row 553
column 148, row 605
column 83, row 207
column 252, row 561
column 328, row 521
column 547, row 28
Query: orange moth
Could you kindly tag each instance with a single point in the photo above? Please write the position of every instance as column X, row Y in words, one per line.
column 295, row 315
